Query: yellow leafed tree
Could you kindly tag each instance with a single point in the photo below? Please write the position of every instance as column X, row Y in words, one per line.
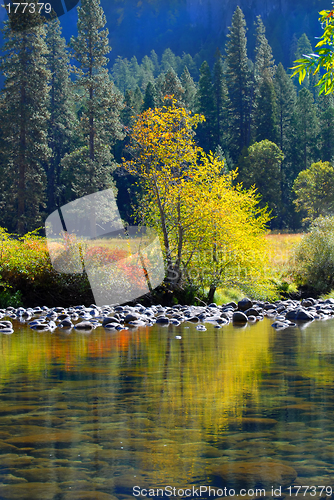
column 212, row 230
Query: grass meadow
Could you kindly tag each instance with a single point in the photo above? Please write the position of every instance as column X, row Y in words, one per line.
column 25, row 267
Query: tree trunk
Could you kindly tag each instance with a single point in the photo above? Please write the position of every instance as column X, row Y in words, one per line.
column 211, row 293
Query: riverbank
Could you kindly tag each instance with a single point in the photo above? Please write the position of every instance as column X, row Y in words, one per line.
column 284, row 313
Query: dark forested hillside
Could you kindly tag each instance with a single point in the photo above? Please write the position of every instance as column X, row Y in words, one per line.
column 199, row 26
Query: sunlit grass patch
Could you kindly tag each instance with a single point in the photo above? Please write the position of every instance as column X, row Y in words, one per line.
column 281, row 249
column 225, row 295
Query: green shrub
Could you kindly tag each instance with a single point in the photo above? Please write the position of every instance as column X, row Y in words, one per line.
column 8, row 298
column 313, row 265
column 28, row 277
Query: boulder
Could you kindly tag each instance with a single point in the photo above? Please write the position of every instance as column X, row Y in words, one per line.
column 162, row 320
column 252, row 312
column 292, row 314
column 239, row 317
column 84, row 325
column 131, row 317
column 303, row 316
column 244, row 304
column 108, row 320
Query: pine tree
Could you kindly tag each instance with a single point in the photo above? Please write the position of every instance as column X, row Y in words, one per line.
column 304, row 146
column 134, row 68
column 62, row 121
column 189, row 63
column 205, row 105
column 137, row 100
column 155, row 60
column 149, row 97
column 168, row 60
column 170, row 85
column 326, row 122
column 304, row 47
column 189, row 87
column 121, row 75
column 24, row 116
column 146, row 72
column 238, row 82
column 286, row 97
column 91, row 166
column 222, row 103
column 264, row 61
column 265, row 117
column 264, row 108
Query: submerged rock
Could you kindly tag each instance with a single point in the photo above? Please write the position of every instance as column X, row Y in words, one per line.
column 254, row 474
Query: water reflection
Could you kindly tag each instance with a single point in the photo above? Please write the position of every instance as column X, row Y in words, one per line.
column 90, row 416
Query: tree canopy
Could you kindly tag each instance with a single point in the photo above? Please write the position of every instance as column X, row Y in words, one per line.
column 314, row 190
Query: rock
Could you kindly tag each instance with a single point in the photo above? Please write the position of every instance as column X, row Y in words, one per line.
column 308, row 302
column 66, row 323
column 108, row 320
column 84, row 325
column 252, row 312
column 252, row 423
column 292, row 314
column 211, row 452
column 63, row 316
column 201, row 328
column 252, row 319
column 41, row 327
column 87, row 495
column 280, row 325
column 119, row 327
column 7, row 331
column 47, row 438
column 131, row 317
column 5, row 324
column 29, row 491
column 232, row 305
column 244, row 304
column 254, row 474
column 111, row 326
column 193, row 319
column 303, row 316
column 10, row 479
column 239, row 317
column 162, row 320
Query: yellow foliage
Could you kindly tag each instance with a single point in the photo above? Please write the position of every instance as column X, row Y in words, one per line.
column 212, row 230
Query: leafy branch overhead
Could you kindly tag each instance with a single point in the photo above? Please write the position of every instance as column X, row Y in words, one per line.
column 323, row 58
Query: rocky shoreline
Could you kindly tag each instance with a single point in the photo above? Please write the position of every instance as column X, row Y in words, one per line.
column 285, row 313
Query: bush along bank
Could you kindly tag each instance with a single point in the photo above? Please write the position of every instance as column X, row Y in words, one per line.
column 285, row 314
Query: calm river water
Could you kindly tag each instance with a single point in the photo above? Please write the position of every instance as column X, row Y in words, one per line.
column 101, row 415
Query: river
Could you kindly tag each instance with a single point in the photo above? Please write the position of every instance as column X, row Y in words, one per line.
column 167, row 411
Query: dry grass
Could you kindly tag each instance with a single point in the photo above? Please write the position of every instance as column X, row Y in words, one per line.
column 281, row 247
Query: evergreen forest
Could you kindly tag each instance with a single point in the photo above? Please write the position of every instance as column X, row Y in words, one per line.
column 66, row 115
